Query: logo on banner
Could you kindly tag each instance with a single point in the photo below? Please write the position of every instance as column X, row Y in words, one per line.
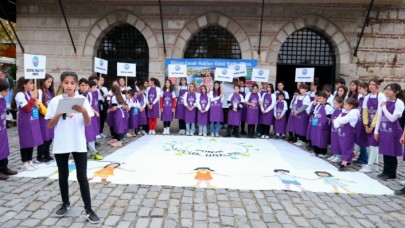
column 35, row 61
column 126, row 66
column 304, row 71
column 101, row 62
column 260, row 72
column 177, row 68
column 237, row 67
column 224, row 71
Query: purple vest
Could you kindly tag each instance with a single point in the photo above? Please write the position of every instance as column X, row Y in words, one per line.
column 4, row 146
column 47, row 133
column 142, row 120
column 234, row 118
column 90, row 130
column 203, row 117
column 390, row 133
column 360, row 131
column 320, row 127
column 190, row 116
column 154, row 113
column 334, row 133
column 180, row 106
column 133, row 117
column 346, row 140
column 252, row 116
column 216, row 112
column 267, row 118
column 29, row 129
column 280, row 125
column 167, row 114
column 301, row 123
column 372, row 105
column 291, row 118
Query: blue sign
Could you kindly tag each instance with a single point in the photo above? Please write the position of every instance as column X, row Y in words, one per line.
column 126, row 66
column 35, row 61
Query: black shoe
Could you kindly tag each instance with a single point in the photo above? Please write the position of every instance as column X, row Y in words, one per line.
column 49, row 158
column 40, row 160
column 228, row 132
column 357, row 162
column 385, row 177
column 400, row 192
column 91, row 216
column 10, row 172
column 342, row 168
column 63, row 210
column 243, row 132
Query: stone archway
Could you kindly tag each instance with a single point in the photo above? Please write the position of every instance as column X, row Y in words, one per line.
column 329, row 29
column 195, row 25
column 106, row 23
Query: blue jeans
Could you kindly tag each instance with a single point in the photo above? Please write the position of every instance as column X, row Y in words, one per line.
column 190, row 129
column 217, row 127
column 363, row 157
column 203, row 129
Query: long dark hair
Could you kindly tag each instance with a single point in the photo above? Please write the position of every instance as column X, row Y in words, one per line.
column 155, row 81
column 116, row 90
column 396, row 88
column 344, row 91
column 205, row 87
column 219, row 88
column 170, row 87
column 19, row 88
column 356, row 93
column 43, row 88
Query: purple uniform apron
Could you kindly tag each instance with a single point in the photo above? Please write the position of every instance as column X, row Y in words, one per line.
column 390, row 133
column 291, row 118
column 190, row 116
column 167, row 114
column 234, row 118
column 154, row 112
column 142, row 120
column 311, row 117
column 312, row 98
column 216, row 112
column 203, row 117
column 244, row 109
column 29, row 129
column 252, row 115
column 180, row 106
column 95, row 121
column 334, row 133
column 133, row 117
column 372, row 105
column 346, row 140
column 89, row 130
column 4, row 146
column 320, row 128
column 280, row 125
column 301, row 121
column 267, row 118
column 126, row 119
column 47, row 133
column 360, row 131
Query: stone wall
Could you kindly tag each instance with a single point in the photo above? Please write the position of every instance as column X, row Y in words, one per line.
column 42, row 30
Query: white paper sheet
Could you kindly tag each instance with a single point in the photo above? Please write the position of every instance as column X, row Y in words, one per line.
column 65, row 105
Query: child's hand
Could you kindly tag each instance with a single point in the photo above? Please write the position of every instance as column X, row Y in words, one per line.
column 79, row 108
column 376, row 137
column 173, row 109
column 235, row 109
column 97, row 113
column 113, row 109
column 34, row 94
column 402, row 140
column 382, row 104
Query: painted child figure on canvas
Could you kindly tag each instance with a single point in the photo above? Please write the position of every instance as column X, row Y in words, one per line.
column 107, row 171
column 287, row 179
column 204, row 174
column 334, row 182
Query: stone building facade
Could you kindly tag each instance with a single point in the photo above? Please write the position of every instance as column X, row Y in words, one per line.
column 42, row 30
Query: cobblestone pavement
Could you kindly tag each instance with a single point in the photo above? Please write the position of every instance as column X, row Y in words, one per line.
column 28, row 202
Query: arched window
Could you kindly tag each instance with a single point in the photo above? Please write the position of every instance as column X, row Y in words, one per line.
column 213, row 42
column 125, row 43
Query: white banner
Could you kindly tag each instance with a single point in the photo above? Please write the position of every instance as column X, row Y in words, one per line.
column 304, row 74
column 177, row 71
column 239, row 70
column 34, row 66
column 260, row 75
column 223, row 74
column 100, row 65
column 126, row 69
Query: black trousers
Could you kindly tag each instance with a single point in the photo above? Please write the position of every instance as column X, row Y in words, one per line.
column 26, row 154
column 43, row 151
column 119, row 137
column 103, row 117
column 166, row 124
column 265, row 129
column 62, row 160
column 318, row 150
column 390, row 166
column 182, row 125
column 4, row 165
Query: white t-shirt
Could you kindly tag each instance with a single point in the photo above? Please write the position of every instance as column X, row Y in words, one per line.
column 330, row 100
column 69, row 132
column 399, row 109
column 286, row 95
column 351, row 117
column 328, row 109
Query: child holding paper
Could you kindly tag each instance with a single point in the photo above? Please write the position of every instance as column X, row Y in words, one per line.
column 70, row 139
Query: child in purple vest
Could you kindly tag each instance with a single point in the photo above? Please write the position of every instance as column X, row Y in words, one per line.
column 388, row 130
column 167, row 105
column 235, row 104
column 5, row 172
column 334, row 137
column 133, row 112
column 266, row 117
column 320, row 125
column 29, row 129
column 280, row 111
column 301, row 116
column 203, row 105
column 180, row 109
column 345, row 123
column 153, row 93
column 253, row 109
column 116, row 111
column 361, row 136
column 216, row 112
column 48, row 92
column 189, row 101
column 402, row 190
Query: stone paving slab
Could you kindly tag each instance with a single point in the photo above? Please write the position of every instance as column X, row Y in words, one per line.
column 31, row 202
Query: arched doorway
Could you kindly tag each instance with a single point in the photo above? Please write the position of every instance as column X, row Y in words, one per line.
column 124, row 43
column 306, row 48
column 213, row 42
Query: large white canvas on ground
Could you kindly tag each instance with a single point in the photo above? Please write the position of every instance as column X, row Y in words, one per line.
column 205, row 162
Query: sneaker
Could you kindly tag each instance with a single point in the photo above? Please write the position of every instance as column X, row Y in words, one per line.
column 187, row 133
column 299, row 143
column 267, row 137
column 342, row 168
column 401, row 182
column 129, row 135
column 150, row 132
column 322, row 155
column 331, row 157
column 263, row 137
column 199, row 134
column 27, row 167
column 91, row 216
column 103, row 135
column 32, row 165
column 336, row 160
column 63, row 210
column 96, row 156
column 276, row 137
column 400, row 191
column 204, row 134
column 98, row 136
column 367, row 169
column 10, row 172
column 153, row 132
column 143, row 132
column 216, row 134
